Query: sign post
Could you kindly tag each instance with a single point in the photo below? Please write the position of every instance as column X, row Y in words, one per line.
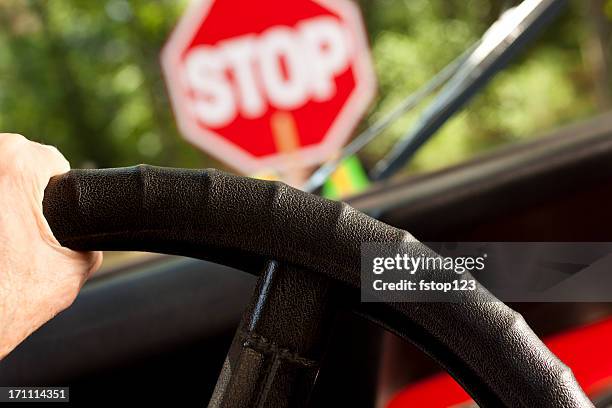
column 269, row 84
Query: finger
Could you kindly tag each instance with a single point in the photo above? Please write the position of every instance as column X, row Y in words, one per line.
column 10, row 139
column 25, row 158
column 19, row 149
column 95, row 262
column 53, row 163
column 45, row 162
column 56, row 164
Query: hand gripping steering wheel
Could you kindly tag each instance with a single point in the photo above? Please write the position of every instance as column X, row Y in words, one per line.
column 307, row 252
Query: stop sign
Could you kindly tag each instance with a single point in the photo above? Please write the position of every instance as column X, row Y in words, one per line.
column 269, row 84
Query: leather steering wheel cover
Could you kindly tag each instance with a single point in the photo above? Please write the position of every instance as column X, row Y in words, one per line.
column 243, row 222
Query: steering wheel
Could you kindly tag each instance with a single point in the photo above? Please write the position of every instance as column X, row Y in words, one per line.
column 307, row 252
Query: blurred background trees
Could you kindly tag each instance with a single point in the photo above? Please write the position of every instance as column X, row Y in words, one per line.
column 85, row 76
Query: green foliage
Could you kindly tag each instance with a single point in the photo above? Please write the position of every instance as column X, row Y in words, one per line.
column 85, row 76
column 412, row 40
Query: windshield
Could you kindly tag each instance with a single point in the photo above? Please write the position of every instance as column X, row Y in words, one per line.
column 97, row 91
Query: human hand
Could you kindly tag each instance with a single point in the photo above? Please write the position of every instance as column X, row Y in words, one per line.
column 38, row 277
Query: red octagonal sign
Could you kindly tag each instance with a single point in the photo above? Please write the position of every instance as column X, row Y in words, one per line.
column 269, row 83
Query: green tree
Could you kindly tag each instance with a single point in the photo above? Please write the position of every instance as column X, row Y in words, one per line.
column 85, row 76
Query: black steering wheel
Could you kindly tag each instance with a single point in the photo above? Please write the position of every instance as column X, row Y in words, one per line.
column 307, row 252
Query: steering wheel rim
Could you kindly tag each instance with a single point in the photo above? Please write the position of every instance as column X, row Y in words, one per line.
column 207, row 214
